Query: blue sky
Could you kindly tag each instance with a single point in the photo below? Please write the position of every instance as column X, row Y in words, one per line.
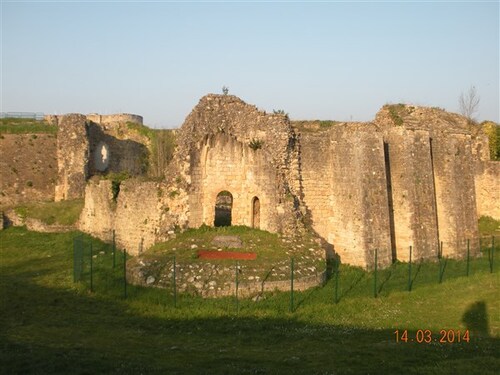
column 315, row 60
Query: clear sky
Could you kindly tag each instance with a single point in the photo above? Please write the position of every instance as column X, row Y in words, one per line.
column 315, row 60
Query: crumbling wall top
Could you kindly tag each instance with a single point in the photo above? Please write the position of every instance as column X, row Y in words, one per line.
column 428, row 118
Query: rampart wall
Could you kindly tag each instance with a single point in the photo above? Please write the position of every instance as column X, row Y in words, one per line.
column 28, row 168
column 344, row 186
column 72, row 157
column 412, row 197
column 487, row 181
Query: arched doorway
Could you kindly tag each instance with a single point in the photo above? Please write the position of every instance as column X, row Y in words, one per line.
column 223, row 208
column 255, row 212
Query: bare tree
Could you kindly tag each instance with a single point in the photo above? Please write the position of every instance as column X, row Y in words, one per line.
column 469, row 103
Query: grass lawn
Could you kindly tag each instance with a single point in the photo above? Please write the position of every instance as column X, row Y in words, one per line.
column 50, row 325
column 63, row 212
column 25, row 126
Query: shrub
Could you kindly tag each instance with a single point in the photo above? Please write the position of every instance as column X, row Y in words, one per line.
column 255, row 144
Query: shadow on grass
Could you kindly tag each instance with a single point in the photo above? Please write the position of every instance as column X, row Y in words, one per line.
column 48, row 330
column 475, row 319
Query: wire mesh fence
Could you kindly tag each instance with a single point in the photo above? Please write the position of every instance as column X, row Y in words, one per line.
column 23, row 115
column 236, row 284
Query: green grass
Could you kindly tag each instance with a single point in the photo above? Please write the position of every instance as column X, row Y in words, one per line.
column 25, row 126
column 489, row 226
column 50, row 325
column 64, row 212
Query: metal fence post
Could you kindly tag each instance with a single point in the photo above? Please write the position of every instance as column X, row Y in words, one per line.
column 125, row 273
column 409, row 271
column 291, row 285
column 468, row 256
column 175, row 283
column 337, row 283
column 114, row 249
column 237, row 285
column 375, row 275
column 75, row 279
column 91, row 269
column 441, row 266
column 492, row 253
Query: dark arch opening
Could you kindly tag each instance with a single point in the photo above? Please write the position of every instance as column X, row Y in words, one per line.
column 223, row 208
column 255, row 212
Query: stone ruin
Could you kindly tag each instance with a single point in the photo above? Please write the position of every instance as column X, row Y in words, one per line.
column 414, row 176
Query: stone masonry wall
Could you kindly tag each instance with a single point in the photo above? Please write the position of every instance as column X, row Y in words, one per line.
column 227, row 121
column 413, row 194
column 28, row 168
column 226, row 164
column 144, row 212
column 487, row 175
column 452, row 164
column 124, row 154
column 72, row 157
column 455, row 191
column 344, row 186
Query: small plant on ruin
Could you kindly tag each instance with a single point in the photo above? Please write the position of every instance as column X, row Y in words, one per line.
column 115, row 189
column 280, row 112
column 225, row 90
column 255, row 144
column 173, row 194
column 394, row 112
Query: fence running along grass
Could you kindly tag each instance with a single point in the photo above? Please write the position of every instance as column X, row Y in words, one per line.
column 101, row 268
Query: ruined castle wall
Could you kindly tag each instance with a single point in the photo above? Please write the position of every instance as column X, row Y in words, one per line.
column 28, row 168
column 214, row 118
column 135, row 216
column 344, row 187
column 223, row 163
column 455, row 191
column 409, row 167
column 72, row 157
column 110, row 154
column 116, row 118
column 487, row 182
column 97, row 215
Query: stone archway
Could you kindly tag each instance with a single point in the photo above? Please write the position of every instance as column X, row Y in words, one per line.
column 223, row 209
column 256, row 212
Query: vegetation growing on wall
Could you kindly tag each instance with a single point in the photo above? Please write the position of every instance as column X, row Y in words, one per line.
column 395, row 111
column 25, row 126
column 255, row 144
column 161, row 147
column 492, row 130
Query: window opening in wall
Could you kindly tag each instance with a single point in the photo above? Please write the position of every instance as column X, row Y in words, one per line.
column 255, row 212
column 223, row 208
column 101, row 157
